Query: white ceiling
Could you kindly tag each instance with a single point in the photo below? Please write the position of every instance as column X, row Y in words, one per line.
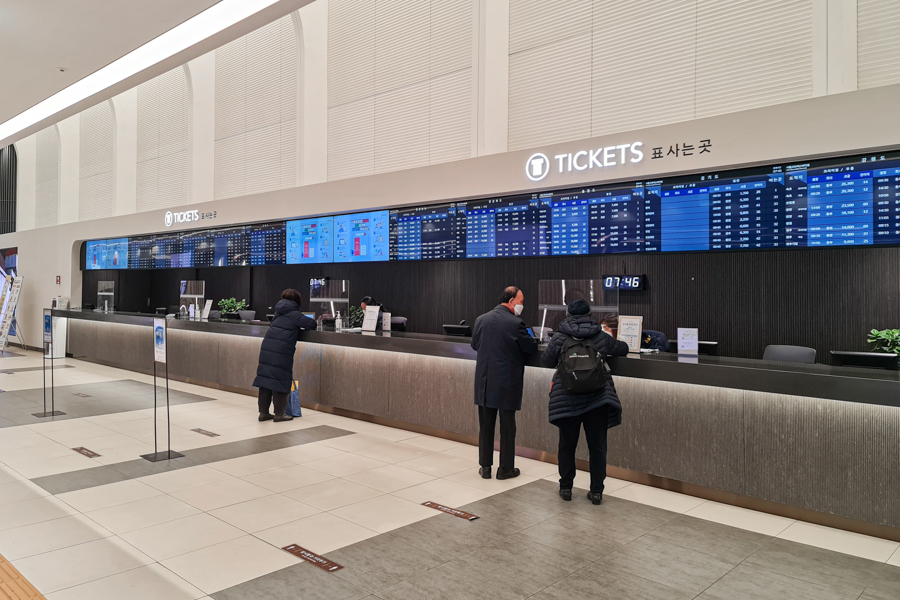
column 39, row 36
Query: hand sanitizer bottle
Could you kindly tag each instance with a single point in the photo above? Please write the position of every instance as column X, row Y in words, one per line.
column 338, row 322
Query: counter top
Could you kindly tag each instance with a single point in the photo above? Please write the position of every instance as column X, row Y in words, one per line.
column 849, row 384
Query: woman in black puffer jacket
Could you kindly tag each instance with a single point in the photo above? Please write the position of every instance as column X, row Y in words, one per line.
column 276, row 356
column 597, row 411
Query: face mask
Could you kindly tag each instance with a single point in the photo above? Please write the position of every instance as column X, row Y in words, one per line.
column 518, row 309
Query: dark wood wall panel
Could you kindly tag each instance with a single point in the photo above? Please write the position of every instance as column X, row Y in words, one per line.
column 824, row 298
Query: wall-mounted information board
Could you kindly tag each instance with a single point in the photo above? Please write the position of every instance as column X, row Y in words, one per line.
column 835, row 202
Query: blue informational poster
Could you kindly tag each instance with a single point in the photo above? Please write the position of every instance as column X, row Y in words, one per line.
column 310, row 241
column 362, row 237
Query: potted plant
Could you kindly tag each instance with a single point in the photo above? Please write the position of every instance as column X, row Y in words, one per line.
column 236, row 309
column 885, row 340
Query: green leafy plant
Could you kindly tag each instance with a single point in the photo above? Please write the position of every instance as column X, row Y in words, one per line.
column 230, row 305
column 355, row 317
column 885, row 340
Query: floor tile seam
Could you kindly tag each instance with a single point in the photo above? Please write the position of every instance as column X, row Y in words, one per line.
column 242, row 534
column 707, row 553
column 4, row 531
column 105, row 537
column 822, row 547
column 819, row 583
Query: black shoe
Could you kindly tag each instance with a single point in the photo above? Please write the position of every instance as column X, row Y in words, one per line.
column 485, row 472
column 280, row 418
column 265, row 417
column 501, row 474
column 595, row 497
column 565, row 494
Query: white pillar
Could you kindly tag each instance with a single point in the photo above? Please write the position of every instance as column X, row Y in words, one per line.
column 26, row 182
column 311, row 23
column 820, row 47
column 491, row 77
column 69, row 163
column 125, row 153
column 842, row 55
column 201, row 74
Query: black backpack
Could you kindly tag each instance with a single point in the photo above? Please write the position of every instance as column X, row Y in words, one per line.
column 581, row 368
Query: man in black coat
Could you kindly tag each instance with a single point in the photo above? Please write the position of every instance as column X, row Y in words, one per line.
column 276, row 355
column 502, row 342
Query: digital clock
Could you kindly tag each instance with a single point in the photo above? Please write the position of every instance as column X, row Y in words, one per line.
column 623, row 282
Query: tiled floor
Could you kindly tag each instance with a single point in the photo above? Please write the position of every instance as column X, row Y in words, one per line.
column 212, row 524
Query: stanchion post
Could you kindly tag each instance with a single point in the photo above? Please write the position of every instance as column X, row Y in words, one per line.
column 169, row 454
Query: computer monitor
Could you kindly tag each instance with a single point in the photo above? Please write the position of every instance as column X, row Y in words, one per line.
column 311, row 315
column 459, row 330
column 871, row 360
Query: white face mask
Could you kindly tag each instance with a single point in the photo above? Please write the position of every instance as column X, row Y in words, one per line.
column 518, row 309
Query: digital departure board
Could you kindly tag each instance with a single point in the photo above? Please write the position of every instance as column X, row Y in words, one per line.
column 845, row 201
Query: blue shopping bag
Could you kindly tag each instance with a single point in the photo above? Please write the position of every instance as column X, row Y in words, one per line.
column 293, row 405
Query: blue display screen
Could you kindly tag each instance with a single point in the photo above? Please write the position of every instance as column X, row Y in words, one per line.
column 835, row 202
column 310, row 241
column 107, row 254
column 362, row 237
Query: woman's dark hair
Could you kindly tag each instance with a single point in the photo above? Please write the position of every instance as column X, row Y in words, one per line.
column 508, row 294
column 292, row 294
column 369, row 301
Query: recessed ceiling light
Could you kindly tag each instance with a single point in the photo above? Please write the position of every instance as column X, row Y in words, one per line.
column 220, row 16
column 61, row 69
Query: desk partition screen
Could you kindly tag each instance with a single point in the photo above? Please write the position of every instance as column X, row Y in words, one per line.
column 846, row 201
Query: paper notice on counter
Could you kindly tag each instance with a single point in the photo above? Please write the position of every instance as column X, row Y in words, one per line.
column 386, row 321
column 370, row 323
column 688, row 341
column 630, row 332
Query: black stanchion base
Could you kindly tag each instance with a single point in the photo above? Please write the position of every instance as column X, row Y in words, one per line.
column 162, row 455
column 54, row 413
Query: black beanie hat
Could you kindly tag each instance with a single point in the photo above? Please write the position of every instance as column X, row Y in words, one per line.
column 578, row 307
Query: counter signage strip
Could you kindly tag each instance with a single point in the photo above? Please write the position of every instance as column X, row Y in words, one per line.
column 845, row 201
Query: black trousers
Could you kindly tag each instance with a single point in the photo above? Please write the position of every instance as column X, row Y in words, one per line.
column 595, row 429
column 267, row 396
column 487, row 422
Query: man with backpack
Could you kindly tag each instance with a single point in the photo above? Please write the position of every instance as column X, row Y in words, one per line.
column 502, row 342
column 582, row 394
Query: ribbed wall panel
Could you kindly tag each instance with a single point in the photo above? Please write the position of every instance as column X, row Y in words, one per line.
column 534, row 23
column 752, row 53
column 399, row 79
column 635, row 84
column 95, row 184
column 550, row 93
column 351, row 50
column 401, row 128
column 46, row 201
column 451, row 36
column 450, row 120
column 878, row 42
column 8, row 189
column 162, row 141
column 402, row 36
column 351, row 139
column 256, row 111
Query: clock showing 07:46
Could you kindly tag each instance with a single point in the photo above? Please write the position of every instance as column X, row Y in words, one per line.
column 623, row 282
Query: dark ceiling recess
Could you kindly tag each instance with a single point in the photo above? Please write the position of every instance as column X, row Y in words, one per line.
column 8, row 189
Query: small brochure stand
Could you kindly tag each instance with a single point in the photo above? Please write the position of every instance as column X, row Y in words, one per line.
column 160, row 335
column 48, row 345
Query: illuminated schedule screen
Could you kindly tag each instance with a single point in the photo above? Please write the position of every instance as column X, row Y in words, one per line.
column 310, row 241
column 834, row 202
